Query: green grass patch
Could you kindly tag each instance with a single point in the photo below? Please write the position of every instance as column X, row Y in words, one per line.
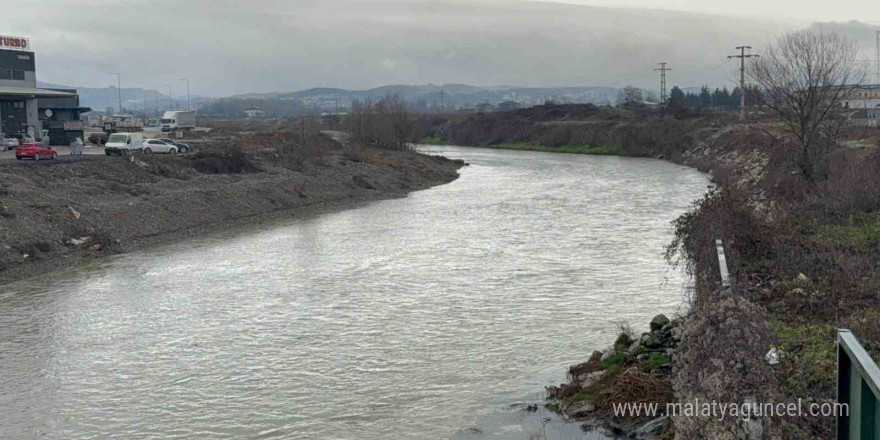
column 601, row 150
column 614, row 360
column 585, row 395
column 435, row 141
column 853, row 234
column 657, row 360
column 809, row 355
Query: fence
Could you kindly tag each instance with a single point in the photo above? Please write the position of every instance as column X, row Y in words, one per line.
column 858, row 386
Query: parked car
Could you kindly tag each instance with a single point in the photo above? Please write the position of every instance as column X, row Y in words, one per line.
column 158, row 146
column 25, row 139
column 35, row 151
column 98, row 138
column 9, row 144
column 181, row 147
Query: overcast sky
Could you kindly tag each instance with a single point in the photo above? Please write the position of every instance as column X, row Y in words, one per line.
column 806, row 10
column 230, row 47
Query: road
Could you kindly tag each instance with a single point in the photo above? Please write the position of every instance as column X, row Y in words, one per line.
column 63, row 153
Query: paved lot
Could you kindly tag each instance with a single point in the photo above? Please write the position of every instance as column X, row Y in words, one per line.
column 63, row 153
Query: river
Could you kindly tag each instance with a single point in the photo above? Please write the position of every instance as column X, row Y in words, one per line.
column 425, row 317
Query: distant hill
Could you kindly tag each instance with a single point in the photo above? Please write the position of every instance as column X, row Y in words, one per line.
column 134, row 99
column 138, row 100
column 432, row 95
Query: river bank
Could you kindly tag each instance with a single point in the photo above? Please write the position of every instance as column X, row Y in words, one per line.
column 602, row 150
column 801, row 256
column 349, row 323
column 56, row 214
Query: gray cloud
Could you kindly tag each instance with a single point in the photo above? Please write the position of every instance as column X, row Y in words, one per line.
column 229, row 47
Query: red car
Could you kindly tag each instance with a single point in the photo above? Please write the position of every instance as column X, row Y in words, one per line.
column 35, row 152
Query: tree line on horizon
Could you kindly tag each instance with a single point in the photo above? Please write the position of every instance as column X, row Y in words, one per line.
column 683, row 103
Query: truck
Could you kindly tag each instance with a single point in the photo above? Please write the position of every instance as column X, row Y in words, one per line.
column 178, row 120
column 112, row 124
column 124, row 143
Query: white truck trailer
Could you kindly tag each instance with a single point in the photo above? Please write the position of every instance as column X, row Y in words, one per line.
column 178, row 121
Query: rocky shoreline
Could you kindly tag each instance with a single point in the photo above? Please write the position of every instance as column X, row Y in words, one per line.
column 657, row 366
column 635, row 370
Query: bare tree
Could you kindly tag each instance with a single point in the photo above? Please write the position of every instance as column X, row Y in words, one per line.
column 803, row 79
column 629, row 95
column 385, row 124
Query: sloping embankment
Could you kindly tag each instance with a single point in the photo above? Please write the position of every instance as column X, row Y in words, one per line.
column 714, row 354
column 57, row 213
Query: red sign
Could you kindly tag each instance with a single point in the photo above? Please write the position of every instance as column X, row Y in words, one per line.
column 73, row 125
column 15, row 43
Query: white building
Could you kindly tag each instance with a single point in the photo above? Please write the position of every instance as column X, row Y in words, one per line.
column 254, row 113
column 864, row 97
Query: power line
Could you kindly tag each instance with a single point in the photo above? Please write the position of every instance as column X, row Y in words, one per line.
column 742, row 78
column 663, row 69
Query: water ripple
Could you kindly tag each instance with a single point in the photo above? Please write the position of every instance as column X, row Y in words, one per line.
column 413, row 318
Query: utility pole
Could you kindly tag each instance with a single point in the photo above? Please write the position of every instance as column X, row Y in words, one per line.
column 742, row 78
column 663, row 69
column 878, row 57
column 442, row 100
column 187, row 94
column 118, row 90
column 170, row 100
column 157, row 102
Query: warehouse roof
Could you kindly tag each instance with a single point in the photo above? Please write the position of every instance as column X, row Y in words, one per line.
column 27, row 91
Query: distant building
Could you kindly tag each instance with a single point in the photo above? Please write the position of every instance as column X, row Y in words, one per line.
column 508, row 106
column 485, row 108
column 61, row 117
column 20, row 111
column 255, row 113
column 863, row 97
column 873, row 116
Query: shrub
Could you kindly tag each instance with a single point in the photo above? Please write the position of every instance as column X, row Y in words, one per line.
column 614, row 360
column 232, row 160
column 657, row 360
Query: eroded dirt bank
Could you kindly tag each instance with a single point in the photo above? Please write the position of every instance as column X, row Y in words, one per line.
column 53, row 214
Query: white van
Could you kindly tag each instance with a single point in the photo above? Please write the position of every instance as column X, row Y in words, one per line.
column 124, row 143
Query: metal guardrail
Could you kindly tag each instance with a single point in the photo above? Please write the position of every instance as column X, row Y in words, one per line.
column 858, row 386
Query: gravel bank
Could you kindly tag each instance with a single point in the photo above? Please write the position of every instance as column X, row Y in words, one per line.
column 53, row 215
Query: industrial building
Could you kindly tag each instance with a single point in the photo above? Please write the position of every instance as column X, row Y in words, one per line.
column 26, row 109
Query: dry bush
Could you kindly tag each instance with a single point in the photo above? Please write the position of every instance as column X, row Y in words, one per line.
column 723, row 213
column 722, row 360
column 634, row 387
column 230, row 160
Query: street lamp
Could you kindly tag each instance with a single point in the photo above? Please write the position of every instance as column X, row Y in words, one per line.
column 170, row 101
column 118, row 89
column 187, row 94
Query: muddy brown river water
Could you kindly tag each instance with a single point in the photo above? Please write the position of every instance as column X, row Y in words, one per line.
column 425, row 317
